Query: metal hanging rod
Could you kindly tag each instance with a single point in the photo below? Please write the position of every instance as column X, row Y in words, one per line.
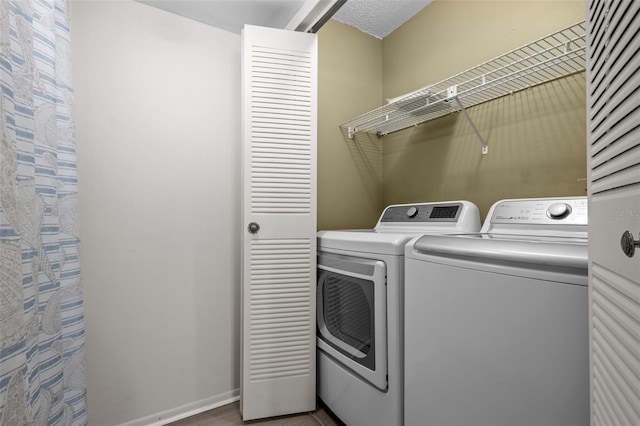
column 556, row 55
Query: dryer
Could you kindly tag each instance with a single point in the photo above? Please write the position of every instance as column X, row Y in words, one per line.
column 496, row 323
column 360, row 281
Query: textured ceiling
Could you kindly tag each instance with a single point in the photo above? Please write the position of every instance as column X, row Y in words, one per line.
column 378, row 17
column 375, row 17
column 231, row 15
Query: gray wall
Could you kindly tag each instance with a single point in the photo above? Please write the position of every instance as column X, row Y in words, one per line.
column 157, row 132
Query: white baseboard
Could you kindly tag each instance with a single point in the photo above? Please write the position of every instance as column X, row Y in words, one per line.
column 186, row 410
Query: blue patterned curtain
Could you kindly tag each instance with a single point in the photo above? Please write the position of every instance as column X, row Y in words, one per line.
column 42, row 378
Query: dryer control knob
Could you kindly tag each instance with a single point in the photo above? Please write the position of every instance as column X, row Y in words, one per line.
column 558, row 210
column 412, row 211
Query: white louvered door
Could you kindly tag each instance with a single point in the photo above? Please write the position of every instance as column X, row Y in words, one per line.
column 613, row 95
column 279, row 259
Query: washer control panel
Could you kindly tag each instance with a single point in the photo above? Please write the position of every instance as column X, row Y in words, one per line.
column 422, row 213
column 571, row 211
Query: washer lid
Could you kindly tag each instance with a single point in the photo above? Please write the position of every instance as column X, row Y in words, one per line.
column 365, row 241
column 565, row 252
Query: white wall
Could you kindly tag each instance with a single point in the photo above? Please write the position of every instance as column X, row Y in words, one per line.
column 157, row 133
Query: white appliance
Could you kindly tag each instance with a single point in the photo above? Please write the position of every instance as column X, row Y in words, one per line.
column 360, row 282
column 496, row 323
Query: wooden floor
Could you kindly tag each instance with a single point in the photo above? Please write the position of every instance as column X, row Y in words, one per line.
column 229, row 415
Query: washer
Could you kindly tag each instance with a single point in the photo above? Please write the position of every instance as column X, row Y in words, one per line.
column 360, row 283
column 496, row 323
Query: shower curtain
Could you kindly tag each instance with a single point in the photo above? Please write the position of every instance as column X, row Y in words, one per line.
column 42, row 378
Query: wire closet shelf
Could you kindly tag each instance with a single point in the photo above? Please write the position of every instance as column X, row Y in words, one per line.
column 551, row 57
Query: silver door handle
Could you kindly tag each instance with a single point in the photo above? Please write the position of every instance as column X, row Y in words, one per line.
column 253, row 228
column 629, row 244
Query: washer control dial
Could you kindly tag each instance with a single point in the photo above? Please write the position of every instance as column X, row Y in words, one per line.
column 412, row 211
column 558, row 210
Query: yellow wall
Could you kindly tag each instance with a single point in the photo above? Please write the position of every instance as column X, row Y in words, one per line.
column 536, row 137
column 349, row 172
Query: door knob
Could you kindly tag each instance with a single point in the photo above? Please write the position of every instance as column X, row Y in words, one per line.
column 629, row 244
column 253, row 228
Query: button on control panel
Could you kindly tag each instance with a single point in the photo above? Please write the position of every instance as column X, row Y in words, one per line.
column 558, row 210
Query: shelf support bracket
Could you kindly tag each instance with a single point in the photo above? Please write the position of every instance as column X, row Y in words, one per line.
column 485, row 148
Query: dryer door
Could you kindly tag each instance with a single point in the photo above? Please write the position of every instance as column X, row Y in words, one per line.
column 352, row 314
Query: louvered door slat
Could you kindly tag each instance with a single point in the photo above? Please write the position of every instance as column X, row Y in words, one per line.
column 596, row 8
column 596, row 47
column 602, row 152
column 613, row 74
column 617, row 77
column 279, row 261
column 282, row 84
column 616, row 118
column 616, row 48
column 619, row 172
column 611, row 46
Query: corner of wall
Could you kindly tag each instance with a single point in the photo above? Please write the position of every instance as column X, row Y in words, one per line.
column 349, row 170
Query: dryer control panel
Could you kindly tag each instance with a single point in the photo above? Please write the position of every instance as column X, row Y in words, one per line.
column 454, row 216
column 422, row 213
